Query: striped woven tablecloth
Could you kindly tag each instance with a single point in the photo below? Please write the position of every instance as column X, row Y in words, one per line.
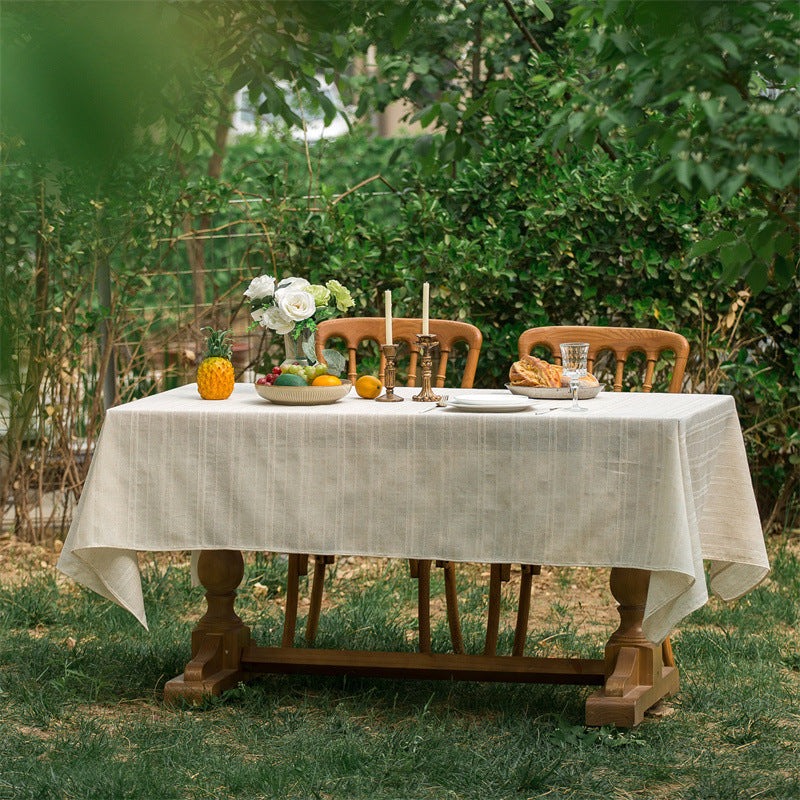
column 653, row 481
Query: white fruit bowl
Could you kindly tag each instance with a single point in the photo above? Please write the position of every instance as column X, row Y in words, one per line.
column 303, row 395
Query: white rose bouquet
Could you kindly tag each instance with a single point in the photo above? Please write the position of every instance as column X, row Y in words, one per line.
column 294, row 306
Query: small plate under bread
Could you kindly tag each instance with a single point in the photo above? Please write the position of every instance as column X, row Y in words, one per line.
column 585, row 391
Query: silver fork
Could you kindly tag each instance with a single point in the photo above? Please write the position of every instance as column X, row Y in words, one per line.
column 440, row 403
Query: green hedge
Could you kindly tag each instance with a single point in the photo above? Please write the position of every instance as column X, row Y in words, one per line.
column 514, row 238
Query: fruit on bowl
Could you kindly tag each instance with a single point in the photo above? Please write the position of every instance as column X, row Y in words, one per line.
column 289, row 379
column 299, row 385
column 269, row 380
column 299, row 375
column 326, row 380
column 306, row 371
column 295, row 395
column 215, row 373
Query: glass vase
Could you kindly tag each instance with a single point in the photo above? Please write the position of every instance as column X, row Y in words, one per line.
column 295, row 347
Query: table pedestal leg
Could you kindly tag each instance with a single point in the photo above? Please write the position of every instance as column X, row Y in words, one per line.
column 220, row 635
column 636, row 676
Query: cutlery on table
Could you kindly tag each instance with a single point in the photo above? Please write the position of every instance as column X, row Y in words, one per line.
column 440, row 403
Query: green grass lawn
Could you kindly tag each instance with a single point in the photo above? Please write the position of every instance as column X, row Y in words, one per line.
column 81, row 711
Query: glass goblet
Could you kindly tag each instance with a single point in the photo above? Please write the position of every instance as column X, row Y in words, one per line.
column 574, row 356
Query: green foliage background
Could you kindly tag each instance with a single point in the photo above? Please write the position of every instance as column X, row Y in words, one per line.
column 525, row 206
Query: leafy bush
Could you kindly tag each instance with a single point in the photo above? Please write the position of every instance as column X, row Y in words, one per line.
column 517, row 237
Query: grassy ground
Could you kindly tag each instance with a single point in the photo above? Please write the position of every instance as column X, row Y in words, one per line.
column 81, row 682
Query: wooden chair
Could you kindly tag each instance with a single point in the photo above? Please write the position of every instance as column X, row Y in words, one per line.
column 354, row 331
column 621, row 342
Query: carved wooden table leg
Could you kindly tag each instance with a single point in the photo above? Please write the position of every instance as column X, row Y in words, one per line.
column 636, row 676
column 220, row 635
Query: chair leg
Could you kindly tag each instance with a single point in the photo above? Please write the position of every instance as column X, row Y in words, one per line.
column 423, row 576
column 315, row 603
column 298, row 565
column 451, row 598
column 524, row 607
column 666, row 653
column 499, row 573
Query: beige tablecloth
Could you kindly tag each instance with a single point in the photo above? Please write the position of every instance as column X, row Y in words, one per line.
column 654, row 481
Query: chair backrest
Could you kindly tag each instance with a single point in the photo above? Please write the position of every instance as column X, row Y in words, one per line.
column 355, row 330
column 620, row 341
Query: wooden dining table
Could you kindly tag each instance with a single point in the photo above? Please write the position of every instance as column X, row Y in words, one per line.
column 654, row 486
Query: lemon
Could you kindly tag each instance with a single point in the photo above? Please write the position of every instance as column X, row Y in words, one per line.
column 368, row 386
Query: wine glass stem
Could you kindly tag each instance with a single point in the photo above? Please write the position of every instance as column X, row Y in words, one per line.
column 573, row 384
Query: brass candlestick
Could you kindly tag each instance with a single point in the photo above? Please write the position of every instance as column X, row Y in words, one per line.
column 390, row 354
column 427, row 344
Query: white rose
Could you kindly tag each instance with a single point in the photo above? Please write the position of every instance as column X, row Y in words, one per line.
column 276, row 321
column 292, row 283
column 258, row 314
column 260, row 287
column 295, row 305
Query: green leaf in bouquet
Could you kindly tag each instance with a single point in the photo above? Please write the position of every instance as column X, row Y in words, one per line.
column 335, row 360
column 309, row 350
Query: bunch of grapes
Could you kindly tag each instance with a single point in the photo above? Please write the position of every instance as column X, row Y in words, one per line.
column 268, row 380
column 308, row 372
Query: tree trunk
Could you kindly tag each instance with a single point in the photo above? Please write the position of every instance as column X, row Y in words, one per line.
column 195, row 245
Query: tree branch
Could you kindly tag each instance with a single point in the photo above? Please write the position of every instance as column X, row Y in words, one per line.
column 606, row 148
column 522, row 27
column 378, row 177
column 777, row 210
column 477, row 45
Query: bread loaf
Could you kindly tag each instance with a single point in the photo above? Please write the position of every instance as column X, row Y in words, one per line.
column 532, row 371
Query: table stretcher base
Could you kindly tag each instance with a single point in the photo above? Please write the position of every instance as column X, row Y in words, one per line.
column 632, row 675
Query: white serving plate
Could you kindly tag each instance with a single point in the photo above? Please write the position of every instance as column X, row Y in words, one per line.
column 585, row 392
column 303, row 395
column 494, row 403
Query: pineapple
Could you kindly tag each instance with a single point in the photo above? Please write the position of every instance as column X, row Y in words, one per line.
column 215, row 373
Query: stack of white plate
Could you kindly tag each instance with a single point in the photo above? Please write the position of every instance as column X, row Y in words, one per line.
column 489, row 402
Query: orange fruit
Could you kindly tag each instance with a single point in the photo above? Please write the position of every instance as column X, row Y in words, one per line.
column 326, row 380
column 369, row 387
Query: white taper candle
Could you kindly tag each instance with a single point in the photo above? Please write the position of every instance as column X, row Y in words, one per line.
column 387, row 296
column 425, row 307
